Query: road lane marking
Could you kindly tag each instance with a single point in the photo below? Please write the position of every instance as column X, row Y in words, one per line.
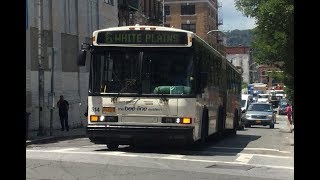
column 230, row 153
column 244, row 158
column 175, row 156
column 63, row 150
column 264, row 149
column 159, row 157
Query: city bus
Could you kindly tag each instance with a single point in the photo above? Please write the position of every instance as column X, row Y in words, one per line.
column 158, row 84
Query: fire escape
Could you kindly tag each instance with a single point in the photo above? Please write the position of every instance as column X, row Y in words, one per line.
column 221, row 36
column 127, row 10
column 133, row 12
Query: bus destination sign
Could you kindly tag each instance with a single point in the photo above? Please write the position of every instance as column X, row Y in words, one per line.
column 142, row 37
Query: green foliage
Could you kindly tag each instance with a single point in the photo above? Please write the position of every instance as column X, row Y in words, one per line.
column 244, row 85
column 273, row 37
column 237, row 37
column 278, row 76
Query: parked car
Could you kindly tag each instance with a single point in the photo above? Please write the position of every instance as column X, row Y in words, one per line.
column 283, row 101
column 246, row 100
column 260, row 113
column 282, row 109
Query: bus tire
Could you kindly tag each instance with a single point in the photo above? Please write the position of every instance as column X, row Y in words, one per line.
column 221, row 129
column 235, row 123
column 112, row 146
column 204, row 125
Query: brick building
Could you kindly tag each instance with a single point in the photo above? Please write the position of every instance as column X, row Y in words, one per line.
column 197, row 16
column 263, row 71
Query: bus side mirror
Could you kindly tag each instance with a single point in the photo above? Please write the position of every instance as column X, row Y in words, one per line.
column 81, row 60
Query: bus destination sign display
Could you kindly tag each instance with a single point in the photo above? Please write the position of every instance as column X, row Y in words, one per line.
column 142, row 37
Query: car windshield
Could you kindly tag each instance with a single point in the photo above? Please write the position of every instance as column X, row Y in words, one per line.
column 260, row 107
column 263, row 96
column 283, row 105
column 243, row 103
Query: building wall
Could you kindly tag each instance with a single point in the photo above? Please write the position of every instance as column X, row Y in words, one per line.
column 241, row 60
column 240, row 57
column 66, row 24
column 263, row 74
column 203, row 20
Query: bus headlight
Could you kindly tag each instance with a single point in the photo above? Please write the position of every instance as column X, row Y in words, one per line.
column 101, row 118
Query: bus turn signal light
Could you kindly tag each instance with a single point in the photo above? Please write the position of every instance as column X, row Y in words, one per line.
column 186, row 120
column 94, row 118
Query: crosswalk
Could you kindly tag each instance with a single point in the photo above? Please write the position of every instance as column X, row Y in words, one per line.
column 216, row 155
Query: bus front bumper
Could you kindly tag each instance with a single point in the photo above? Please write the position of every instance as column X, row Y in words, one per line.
column 126, row 135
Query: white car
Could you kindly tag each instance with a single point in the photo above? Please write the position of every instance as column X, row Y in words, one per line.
column 246, row 99
column 280, row 93
column 263, row 98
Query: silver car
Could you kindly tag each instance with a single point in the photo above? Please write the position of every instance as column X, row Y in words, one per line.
column 260, row 114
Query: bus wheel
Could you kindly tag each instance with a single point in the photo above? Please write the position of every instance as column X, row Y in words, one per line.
column 112, row 146
column 235, row 123
column 205, row 125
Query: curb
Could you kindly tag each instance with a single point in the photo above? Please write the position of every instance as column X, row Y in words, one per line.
column 53, row 138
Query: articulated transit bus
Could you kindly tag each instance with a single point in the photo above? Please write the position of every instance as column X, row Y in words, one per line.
column 158, row 84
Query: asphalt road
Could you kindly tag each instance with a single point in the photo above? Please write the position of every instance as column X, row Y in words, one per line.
column 254, row 153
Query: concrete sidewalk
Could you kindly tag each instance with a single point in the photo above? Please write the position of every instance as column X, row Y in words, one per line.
column 56, row 135
column 285, row 127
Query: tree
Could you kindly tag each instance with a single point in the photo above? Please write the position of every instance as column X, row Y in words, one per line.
column 273, row 37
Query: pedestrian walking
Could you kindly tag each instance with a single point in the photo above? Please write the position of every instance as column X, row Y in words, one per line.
column 289, row 113
column 63, row 106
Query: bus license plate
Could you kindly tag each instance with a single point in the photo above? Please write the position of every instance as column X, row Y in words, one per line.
column 258, row 121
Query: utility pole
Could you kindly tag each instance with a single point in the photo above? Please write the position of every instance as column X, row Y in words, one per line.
column 163, row 13
column 41, row 70
column 51, row 95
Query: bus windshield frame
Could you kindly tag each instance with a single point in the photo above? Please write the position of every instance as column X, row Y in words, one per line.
column 129, row 71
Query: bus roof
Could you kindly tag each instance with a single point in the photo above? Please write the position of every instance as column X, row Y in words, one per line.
column 140, row 27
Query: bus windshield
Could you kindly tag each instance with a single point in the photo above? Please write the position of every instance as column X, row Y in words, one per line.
column 142, row 70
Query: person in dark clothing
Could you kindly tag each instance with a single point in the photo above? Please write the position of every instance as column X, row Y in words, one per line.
column 63, row 106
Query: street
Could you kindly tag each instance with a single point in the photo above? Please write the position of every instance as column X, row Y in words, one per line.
column 254, row 153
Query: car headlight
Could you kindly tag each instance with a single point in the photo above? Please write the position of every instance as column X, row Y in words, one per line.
column 270, row 116
column 248, row 116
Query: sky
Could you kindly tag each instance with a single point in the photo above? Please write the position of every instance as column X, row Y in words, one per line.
column 233, row 19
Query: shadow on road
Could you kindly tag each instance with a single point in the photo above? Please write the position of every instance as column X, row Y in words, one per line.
column 263, row 127
column 227, row 146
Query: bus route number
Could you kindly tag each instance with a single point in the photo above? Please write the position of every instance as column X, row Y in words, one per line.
column 95, row 109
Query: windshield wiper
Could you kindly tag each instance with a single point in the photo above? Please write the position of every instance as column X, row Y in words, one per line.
column 129, row 83
column 164, row 99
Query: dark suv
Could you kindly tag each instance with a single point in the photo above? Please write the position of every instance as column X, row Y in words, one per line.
column 260, row 114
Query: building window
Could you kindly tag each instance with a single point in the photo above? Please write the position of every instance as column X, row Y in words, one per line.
column 167, row 10
column 189, row 27
column 188, row 9
column 109, row 2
